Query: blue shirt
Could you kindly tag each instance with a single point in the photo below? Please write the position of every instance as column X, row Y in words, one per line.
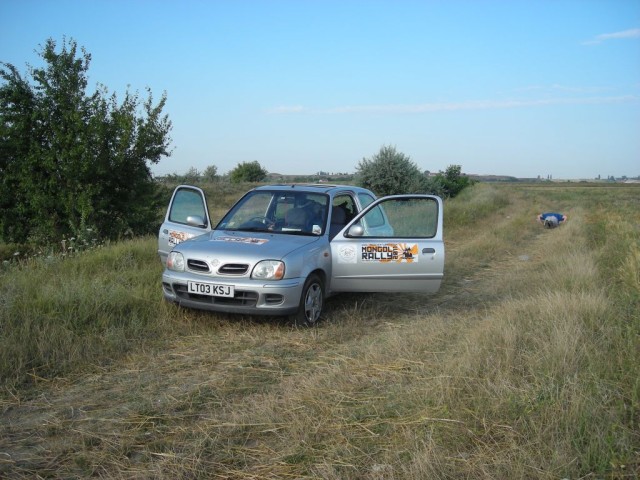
column 559, row 216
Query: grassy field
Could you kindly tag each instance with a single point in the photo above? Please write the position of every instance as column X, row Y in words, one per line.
column 525, row 365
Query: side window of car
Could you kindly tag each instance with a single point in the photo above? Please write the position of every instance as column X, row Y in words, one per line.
column 347, row 204
column 411, row 218
column 186, row 202
column 374, row 218
column 365, row 199
column 343, row 209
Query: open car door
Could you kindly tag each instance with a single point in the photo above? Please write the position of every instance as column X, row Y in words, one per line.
column 394, row 245
column 187, row 217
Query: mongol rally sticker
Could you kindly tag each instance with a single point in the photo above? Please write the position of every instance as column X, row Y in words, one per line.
column 389, row 252
column 175, row 237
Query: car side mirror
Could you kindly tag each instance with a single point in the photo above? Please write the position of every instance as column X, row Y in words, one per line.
column 196, row 221
column 355, row 231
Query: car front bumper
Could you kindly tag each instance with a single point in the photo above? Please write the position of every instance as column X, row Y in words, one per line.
column 251, row 297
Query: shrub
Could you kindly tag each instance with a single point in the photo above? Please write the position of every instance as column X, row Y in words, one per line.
column 248, row 172
column 390, row 172
column 73, row 160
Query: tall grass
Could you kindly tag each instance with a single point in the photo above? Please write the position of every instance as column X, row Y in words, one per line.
column 525, row 365
column 474, row 205
column 60, row 314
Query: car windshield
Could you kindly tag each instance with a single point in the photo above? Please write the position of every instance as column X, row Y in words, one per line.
column 294, row 213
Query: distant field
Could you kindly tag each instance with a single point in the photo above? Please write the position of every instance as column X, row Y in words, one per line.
column 525, row 365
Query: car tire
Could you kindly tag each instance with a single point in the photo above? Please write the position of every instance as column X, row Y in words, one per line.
column 311, row 301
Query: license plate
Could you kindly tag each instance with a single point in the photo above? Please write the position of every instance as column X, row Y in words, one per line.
column 211, row 289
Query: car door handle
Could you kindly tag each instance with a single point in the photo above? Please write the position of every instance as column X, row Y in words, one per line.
column 428, row 250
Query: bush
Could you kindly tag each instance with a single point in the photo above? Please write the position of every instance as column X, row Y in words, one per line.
column 73, row 161
column 248, row 172
column 390, row 172
column 452, row 181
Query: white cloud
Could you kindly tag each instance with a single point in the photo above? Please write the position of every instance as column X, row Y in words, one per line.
column 631, row 33
column 562, row 89
column 458, row 106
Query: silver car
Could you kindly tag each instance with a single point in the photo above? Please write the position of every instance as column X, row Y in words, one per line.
column 283, row 249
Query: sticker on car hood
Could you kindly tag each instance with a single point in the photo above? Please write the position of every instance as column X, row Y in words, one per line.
column 249, row 240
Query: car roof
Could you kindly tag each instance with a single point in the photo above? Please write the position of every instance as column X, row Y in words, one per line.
column 313, row 187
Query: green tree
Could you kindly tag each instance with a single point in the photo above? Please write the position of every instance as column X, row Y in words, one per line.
column 210, row 173
column 192, row 176
column 248, row 172
column 390, row 172
column 72, row 161
column 453, row 181
column 433, row 185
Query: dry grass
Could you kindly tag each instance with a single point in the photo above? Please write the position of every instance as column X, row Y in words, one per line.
column 525, row 365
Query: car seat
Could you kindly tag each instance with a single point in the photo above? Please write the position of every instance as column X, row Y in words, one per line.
column 296, row 218
column 338, row 221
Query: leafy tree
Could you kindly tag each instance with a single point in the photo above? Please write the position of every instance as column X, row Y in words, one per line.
column 452, row 181
column 72, row 161
column 210, row 173
column 192, row 175
column 434, row 186
column 248, row 172
column 390, row 172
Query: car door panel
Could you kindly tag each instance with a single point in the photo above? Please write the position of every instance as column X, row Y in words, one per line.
column 187, row 216
column 394, row 245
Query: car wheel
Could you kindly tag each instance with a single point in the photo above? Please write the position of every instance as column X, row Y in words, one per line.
column 311, row 301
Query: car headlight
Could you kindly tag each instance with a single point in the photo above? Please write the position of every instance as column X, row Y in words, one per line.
column 268, row 270
column 175, row 262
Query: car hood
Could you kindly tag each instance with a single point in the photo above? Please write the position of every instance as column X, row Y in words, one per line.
column 234, row 246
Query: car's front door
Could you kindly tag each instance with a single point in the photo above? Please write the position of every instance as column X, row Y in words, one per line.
column 186, row 217
column 394, row 245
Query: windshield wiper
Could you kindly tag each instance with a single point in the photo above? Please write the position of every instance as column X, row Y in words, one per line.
column 251, row 229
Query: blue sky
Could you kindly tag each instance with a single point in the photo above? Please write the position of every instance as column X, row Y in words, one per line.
column 522, row 88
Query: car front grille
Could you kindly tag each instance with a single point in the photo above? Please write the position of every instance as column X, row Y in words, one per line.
column 233, row 269
column 199, row 266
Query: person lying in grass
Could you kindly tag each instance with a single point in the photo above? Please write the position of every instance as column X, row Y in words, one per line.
column 551, row 220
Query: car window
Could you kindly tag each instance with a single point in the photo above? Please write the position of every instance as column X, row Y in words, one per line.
column 375, row 218
column 255, row 206
column 292, row 212
column 186, row 202
column 412, row 218
column 347, row 204
column 365, row 199
column 252, row 208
